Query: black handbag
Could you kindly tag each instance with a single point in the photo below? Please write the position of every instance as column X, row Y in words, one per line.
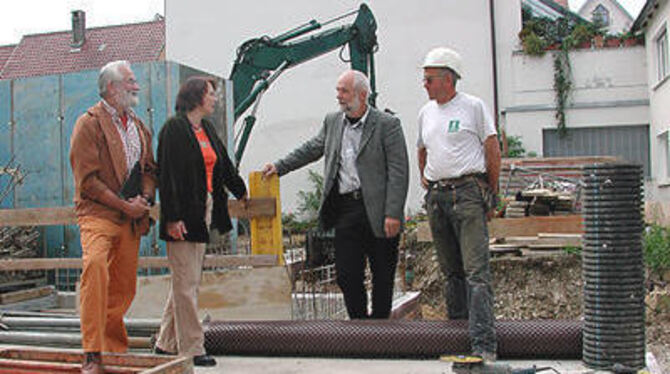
column 133, row 185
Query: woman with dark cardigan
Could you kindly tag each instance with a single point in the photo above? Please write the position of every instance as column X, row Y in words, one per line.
column 194, row 172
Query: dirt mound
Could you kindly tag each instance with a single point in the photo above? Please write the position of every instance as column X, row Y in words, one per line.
column 535, row 287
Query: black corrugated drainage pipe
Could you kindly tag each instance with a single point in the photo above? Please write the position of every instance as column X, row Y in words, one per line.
column 613, row 266
column 390, row 338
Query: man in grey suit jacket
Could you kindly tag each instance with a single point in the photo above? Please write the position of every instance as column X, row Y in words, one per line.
column 365, row 188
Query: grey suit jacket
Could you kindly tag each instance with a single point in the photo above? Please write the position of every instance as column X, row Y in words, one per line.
column 381, row 162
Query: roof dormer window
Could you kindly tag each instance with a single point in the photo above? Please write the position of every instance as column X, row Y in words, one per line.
column 601, row 15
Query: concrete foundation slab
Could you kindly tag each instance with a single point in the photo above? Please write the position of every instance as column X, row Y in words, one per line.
column 239, row 294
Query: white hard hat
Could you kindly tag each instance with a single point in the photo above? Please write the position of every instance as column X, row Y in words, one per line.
column 442, row 57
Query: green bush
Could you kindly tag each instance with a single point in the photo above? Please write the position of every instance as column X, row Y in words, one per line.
column 533, row 45
column 291, row 223
column 582, row 33
column 309, row 200
column 656, row 244
column 308, row 206
column 572, row 250
column 515, row 148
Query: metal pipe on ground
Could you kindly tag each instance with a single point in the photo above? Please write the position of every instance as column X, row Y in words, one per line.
column 390, row 338
column 24, row 313
column 31, row 322
column 61, row 340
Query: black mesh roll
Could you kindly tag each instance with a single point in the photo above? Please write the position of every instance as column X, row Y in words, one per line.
column 390, row 338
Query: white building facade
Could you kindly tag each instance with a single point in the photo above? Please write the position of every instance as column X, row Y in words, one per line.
column 206, row 33
column 653, row 21
column 609, row 85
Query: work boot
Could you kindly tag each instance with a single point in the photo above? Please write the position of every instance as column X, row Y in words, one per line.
column 92, row 363
column 204, row 360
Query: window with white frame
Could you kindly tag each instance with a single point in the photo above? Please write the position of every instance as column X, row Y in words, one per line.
column 662, row 54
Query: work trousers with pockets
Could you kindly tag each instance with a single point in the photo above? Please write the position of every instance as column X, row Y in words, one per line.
column 354, row 242
column 181, row 331
column 457, row 218
column 107, row 282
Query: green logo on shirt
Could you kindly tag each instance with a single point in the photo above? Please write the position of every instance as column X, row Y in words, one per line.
column 453, row 125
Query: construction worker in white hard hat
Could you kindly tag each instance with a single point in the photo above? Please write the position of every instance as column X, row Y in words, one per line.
column 459, row 163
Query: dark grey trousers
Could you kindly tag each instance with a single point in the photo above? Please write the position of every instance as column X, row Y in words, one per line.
column 458, row 224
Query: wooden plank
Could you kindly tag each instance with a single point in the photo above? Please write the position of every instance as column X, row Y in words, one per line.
column 75, row 356
column 53, row 216
column 65, row 215
column 578, row 160
column 38, row 366
column 549, row 246
column 257, row 207
column 266, row 232
column 40, row 359
column 531, row 226
column 144, row 262
column 179, row 365
column 503, row 251
column 35, row 282
column 547, row 235
column 22, row 295
column 21, row 366
column 523, row 226
column 38, row 216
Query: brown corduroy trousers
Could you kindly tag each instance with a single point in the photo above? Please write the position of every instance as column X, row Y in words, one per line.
column 107, row 282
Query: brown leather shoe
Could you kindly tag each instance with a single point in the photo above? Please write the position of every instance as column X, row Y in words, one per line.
column 92, row 363
column 92, row 368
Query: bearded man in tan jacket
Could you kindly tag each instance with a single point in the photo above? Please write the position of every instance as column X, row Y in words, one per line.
column 110, row 149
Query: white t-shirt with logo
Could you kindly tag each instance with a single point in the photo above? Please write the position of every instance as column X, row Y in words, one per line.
column 453, row 134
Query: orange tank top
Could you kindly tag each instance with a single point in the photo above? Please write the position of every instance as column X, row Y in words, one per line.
column 208, row 155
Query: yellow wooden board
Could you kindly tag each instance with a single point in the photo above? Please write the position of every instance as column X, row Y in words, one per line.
column 459, row 359
column 266, row 232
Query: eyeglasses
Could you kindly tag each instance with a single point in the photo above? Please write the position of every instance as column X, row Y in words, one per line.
column 428, row 79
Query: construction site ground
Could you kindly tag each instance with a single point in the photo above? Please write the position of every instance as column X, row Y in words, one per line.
column 290, row 365
column 541, row 285
column 545, row 285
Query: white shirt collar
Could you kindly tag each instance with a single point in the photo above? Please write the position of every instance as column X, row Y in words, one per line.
column 360, row 121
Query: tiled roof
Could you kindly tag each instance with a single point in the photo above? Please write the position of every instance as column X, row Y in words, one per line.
column 5, row 52
column 51, row 53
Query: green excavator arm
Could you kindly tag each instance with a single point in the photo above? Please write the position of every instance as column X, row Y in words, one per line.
column 261, row 60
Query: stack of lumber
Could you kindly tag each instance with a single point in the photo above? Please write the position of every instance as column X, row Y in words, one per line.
column 19, row 243
column 516, row 209
column 541, row 244
column 545, row 201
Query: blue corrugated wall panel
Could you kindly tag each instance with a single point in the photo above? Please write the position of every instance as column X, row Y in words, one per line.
column 79, row 92
column 5, row 140
column 37, row 135
column 37, row 141
column 45, row 111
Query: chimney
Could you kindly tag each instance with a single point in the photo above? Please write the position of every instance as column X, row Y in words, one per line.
column 563, row 3
column 78, row 28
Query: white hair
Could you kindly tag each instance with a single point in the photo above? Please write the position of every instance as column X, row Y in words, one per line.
column 361, row 83
column 110, row 73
